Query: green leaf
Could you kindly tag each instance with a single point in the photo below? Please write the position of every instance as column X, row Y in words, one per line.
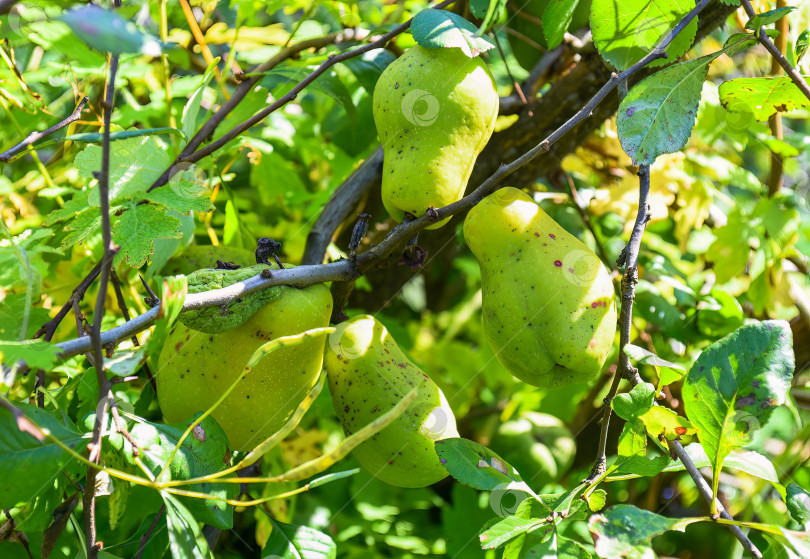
column 136, row 230
column 204, row 452
column 172, row 297
column 625, row 529
column 185, row 537
column 798, row 504
column 28, row 465
column 735, row 384
column 657, row 115
column 634, row 403
column 288, row 541
column 762, row 97
column 632, row 450
column 597, row 500
column 641, row 355
column 506, row 529
column 135, row 164
column 490, row 11
column 86, row 224
column 475, row 465
column 435, row 29
column 719, row 313
column 769, row 17
column 107, row 31
column 625, row 31
column 328, row 83
column 37, row 354
column 556, row 19
column 184, row 193
column 802, row 43
column 192, row 108
column 125, row 362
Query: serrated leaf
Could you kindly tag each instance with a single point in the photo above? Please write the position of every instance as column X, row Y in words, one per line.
column 135, row 164
column 762, row 97
column 769, row 17
column 107, row 31
column 27, row 464
column 475, row 465
column 556, row 19
column 622, row 529
column 86, row 224
column 435, row 29
column 136, row 230
column 657, row 115
column 735, row 384
column 288, row 541
column 183, row 194
column 624, row 31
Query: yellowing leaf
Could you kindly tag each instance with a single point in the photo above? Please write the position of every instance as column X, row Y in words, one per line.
column 661, row 421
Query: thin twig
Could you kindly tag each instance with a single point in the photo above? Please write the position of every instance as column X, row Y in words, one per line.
column 148, row 534
column 766, row 42
column 49, row 328
column 35, row 136
column 104, row 401
column 625, row 369
column 706, row 492
column 122, row 304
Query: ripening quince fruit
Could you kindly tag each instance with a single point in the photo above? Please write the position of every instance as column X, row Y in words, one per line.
column 435, row 110
column 538, row 445
column 206, row 256
column 195, row 368
column 368, row 374
column 548, row 302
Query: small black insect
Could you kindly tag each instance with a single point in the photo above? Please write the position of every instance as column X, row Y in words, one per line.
column 266, row 248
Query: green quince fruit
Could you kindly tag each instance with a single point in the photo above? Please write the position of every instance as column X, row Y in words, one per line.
column 195, row 368
column 538, row 445
column 205, row 256
column 216, row 320
column 435, row 110
column 528, row 39
column 548, row 301
column 368, row 374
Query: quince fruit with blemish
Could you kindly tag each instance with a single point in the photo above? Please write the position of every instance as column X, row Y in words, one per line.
column 435, row 110
column 368, row 375
column 196, row 368
column 548, row 301
column 205, row 256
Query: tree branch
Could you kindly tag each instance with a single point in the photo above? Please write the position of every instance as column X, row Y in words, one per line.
column 35, row 136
